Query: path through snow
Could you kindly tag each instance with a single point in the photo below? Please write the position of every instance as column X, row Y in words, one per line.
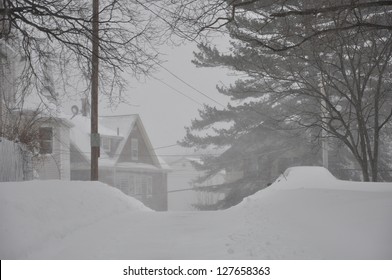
column 305, row 215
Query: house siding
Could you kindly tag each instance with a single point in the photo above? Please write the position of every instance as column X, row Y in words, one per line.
column 181, row 177
column 156, row 201
column 159, row 200
column 144, row 154
column 78, row 162
column 80, row 175
column 57, row 164
column 117, row 167
column 64, row 147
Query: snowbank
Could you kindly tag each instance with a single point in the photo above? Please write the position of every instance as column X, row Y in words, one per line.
column 309, row 214
column 305, row 214
column 37, row 212
column 306, row 176
column 316, row 177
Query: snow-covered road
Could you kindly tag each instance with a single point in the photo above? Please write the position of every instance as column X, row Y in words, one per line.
column 319, row 218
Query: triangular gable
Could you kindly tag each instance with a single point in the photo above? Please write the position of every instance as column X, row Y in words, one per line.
column 125, row 124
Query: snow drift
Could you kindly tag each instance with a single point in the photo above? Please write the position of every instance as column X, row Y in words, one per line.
column 37, row 212
column 309, row 214
column 305, row 214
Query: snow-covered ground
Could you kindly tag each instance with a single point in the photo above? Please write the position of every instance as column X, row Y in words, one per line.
column 305, row 214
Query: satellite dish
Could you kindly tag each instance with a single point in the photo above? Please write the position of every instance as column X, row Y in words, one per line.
column 75, row 111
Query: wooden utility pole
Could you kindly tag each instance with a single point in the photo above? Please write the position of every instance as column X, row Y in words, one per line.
column 95, row 141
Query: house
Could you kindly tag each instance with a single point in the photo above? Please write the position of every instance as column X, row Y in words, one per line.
column 186, row 191
column 53, row 161
column 23, row 120
column 182, row 195
column 127, row 159
column 211, row 190
column 61, row 144
column 45, row 139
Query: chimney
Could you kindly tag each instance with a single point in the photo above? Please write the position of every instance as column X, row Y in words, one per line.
column 85, row 107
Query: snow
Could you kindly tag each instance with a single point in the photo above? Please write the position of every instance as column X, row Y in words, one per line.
column 36, row 214
column 305, row 214
column 80, row 135
column 124, row 123
column 164, row 165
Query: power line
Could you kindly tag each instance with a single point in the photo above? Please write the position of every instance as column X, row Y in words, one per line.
column 168, row 146
column 178, row 91
column 170, row 72
column 189, row 85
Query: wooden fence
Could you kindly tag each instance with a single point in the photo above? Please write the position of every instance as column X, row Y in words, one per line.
column 15, row 162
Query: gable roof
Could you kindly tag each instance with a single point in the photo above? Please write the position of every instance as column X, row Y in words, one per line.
column 119, row 127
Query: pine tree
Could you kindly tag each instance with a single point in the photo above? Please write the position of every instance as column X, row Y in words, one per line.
column 298, row 77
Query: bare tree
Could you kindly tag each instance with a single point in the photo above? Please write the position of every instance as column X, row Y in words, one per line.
column 197, row 17
column 58, row 34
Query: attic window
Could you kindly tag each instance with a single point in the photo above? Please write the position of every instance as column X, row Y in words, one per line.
column 45, row 140
column 134, row 149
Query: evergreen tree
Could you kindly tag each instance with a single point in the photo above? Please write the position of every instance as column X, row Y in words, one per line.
column 333, row 85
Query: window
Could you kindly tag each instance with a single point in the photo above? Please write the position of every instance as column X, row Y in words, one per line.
column 149, row 186
column 126, row 183
column 46, row 140
column 123, row 185
column 138, row 186
column 105, row 144
column 134, row 149
column 144, row 185
column 131, row 185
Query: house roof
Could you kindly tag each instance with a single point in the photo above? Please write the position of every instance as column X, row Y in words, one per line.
column 119, row 127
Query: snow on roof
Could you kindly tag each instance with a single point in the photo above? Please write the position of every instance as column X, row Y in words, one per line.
column 84, row 124
column 123, row 124
column 163, row 163
column 195, row 159
column 217, row 178
column 80, row 135
column 36, row 102
column 115, row 126
column 137, row 165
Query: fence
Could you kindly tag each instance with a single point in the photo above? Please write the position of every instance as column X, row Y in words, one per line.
column 15, row 162
column 384, row 175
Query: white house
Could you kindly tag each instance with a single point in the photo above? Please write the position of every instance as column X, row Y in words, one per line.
column 182, row 196
column 53, row 161
column 184, row 193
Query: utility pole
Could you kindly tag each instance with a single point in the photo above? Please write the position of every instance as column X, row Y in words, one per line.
column 95, row 141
